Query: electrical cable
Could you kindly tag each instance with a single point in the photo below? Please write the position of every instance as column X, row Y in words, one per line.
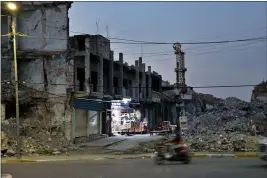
column 162, row 43
column 206, row 86
column 195, row 54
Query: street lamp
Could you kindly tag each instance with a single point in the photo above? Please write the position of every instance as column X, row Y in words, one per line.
column 13, row 7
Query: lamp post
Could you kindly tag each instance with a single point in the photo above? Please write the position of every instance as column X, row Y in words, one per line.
column 13, row 7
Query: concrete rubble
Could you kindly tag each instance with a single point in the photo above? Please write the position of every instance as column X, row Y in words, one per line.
column 229, row 125
column 35, row 138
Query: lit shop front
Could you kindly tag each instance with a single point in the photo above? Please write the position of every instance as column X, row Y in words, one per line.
column 126, row 119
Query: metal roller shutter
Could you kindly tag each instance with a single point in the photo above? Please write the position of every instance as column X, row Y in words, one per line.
column 89, row 105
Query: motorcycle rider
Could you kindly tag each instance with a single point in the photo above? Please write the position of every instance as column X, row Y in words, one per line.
column 175, row 143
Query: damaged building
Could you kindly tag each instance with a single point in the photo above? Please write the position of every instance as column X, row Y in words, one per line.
column 69, row 82
column 45, row 71
column 99, row 79
column 259, row 93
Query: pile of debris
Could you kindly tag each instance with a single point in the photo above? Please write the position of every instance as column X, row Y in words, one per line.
column 35, row 138
column 230, row 125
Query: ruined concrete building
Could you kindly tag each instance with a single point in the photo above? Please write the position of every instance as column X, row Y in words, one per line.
column 69, row 82
column 44, row 67
column 260, row 92
column 99, row 79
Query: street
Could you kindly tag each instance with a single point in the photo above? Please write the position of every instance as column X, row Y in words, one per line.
column 121, row 143
column 201, row 168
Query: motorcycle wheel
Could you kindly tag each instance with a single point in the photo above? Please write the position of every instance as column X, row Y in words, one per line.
column 187, row 160
column 159, row 160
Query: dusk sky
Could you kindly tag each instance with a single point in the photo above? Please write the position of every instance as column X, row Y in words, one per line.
column 240, row 63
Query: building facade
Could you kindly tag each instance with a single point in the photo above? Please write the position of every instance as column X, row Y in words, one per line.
column 70, row 81
column 44, row 67
column 100, row 78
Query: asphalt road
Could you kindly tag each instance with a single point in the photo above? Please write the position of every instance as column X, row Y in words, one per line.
column 200, row 168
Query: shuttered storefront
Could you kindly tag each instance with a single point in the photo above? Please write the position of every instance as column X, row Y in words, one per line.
column 86, row 114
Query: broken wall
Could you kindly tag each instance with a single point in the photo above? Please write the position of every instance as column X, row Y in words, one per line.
column 100, row 44
column 260, row 92
column 48, row 28
column 5, row 68
column 5, row 29
column 44, row 66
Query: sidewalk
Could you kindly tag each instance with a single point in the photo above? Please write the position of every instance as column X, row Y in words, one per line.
column 125, row 156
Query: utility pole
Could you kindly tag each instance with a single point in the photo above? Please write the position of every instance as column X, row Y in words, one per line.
column 13, row 26
column 13, row 8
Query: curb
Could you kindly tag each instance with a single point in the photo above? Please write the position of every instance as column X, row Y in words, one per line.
column 148, row 156
column 18, row 161
column 114, row 143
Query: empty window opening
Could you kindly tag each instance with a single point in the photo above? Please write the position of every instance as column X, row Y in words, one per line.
column 81, row 45
column 81, row 78
column 116, row 84
column 94, row 80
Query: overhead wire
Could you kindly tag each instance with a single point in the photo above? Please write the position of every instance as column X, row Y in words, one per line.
column 161, row 43
column 204, row 86
column 196, row 54
column 157, row 43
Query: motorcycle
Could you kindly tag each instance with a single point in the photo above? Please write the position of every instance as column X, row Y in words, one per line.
column 181, row 154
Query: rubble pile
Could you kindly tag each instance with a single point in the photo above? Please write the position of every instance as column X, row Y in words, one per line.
column 230, row 125
column 35, row 138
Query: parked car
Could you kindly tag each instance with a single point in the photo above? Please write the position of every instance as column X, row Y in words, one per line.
column 262, row 149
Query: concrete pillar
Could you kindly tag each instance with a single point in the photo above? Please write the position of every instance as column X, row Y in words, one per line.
column 140, row 70
column 100, row 75
column 133, row 88
column 136, row 80
column 149, row 83
column 87, row 71
column 121, row 74
column 87, row 64
column 111, row 73
column 150, row 115
column 144, row 80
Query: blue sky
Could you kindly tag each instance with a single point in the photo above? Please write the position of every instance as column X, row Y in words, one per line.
column 224, row 64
